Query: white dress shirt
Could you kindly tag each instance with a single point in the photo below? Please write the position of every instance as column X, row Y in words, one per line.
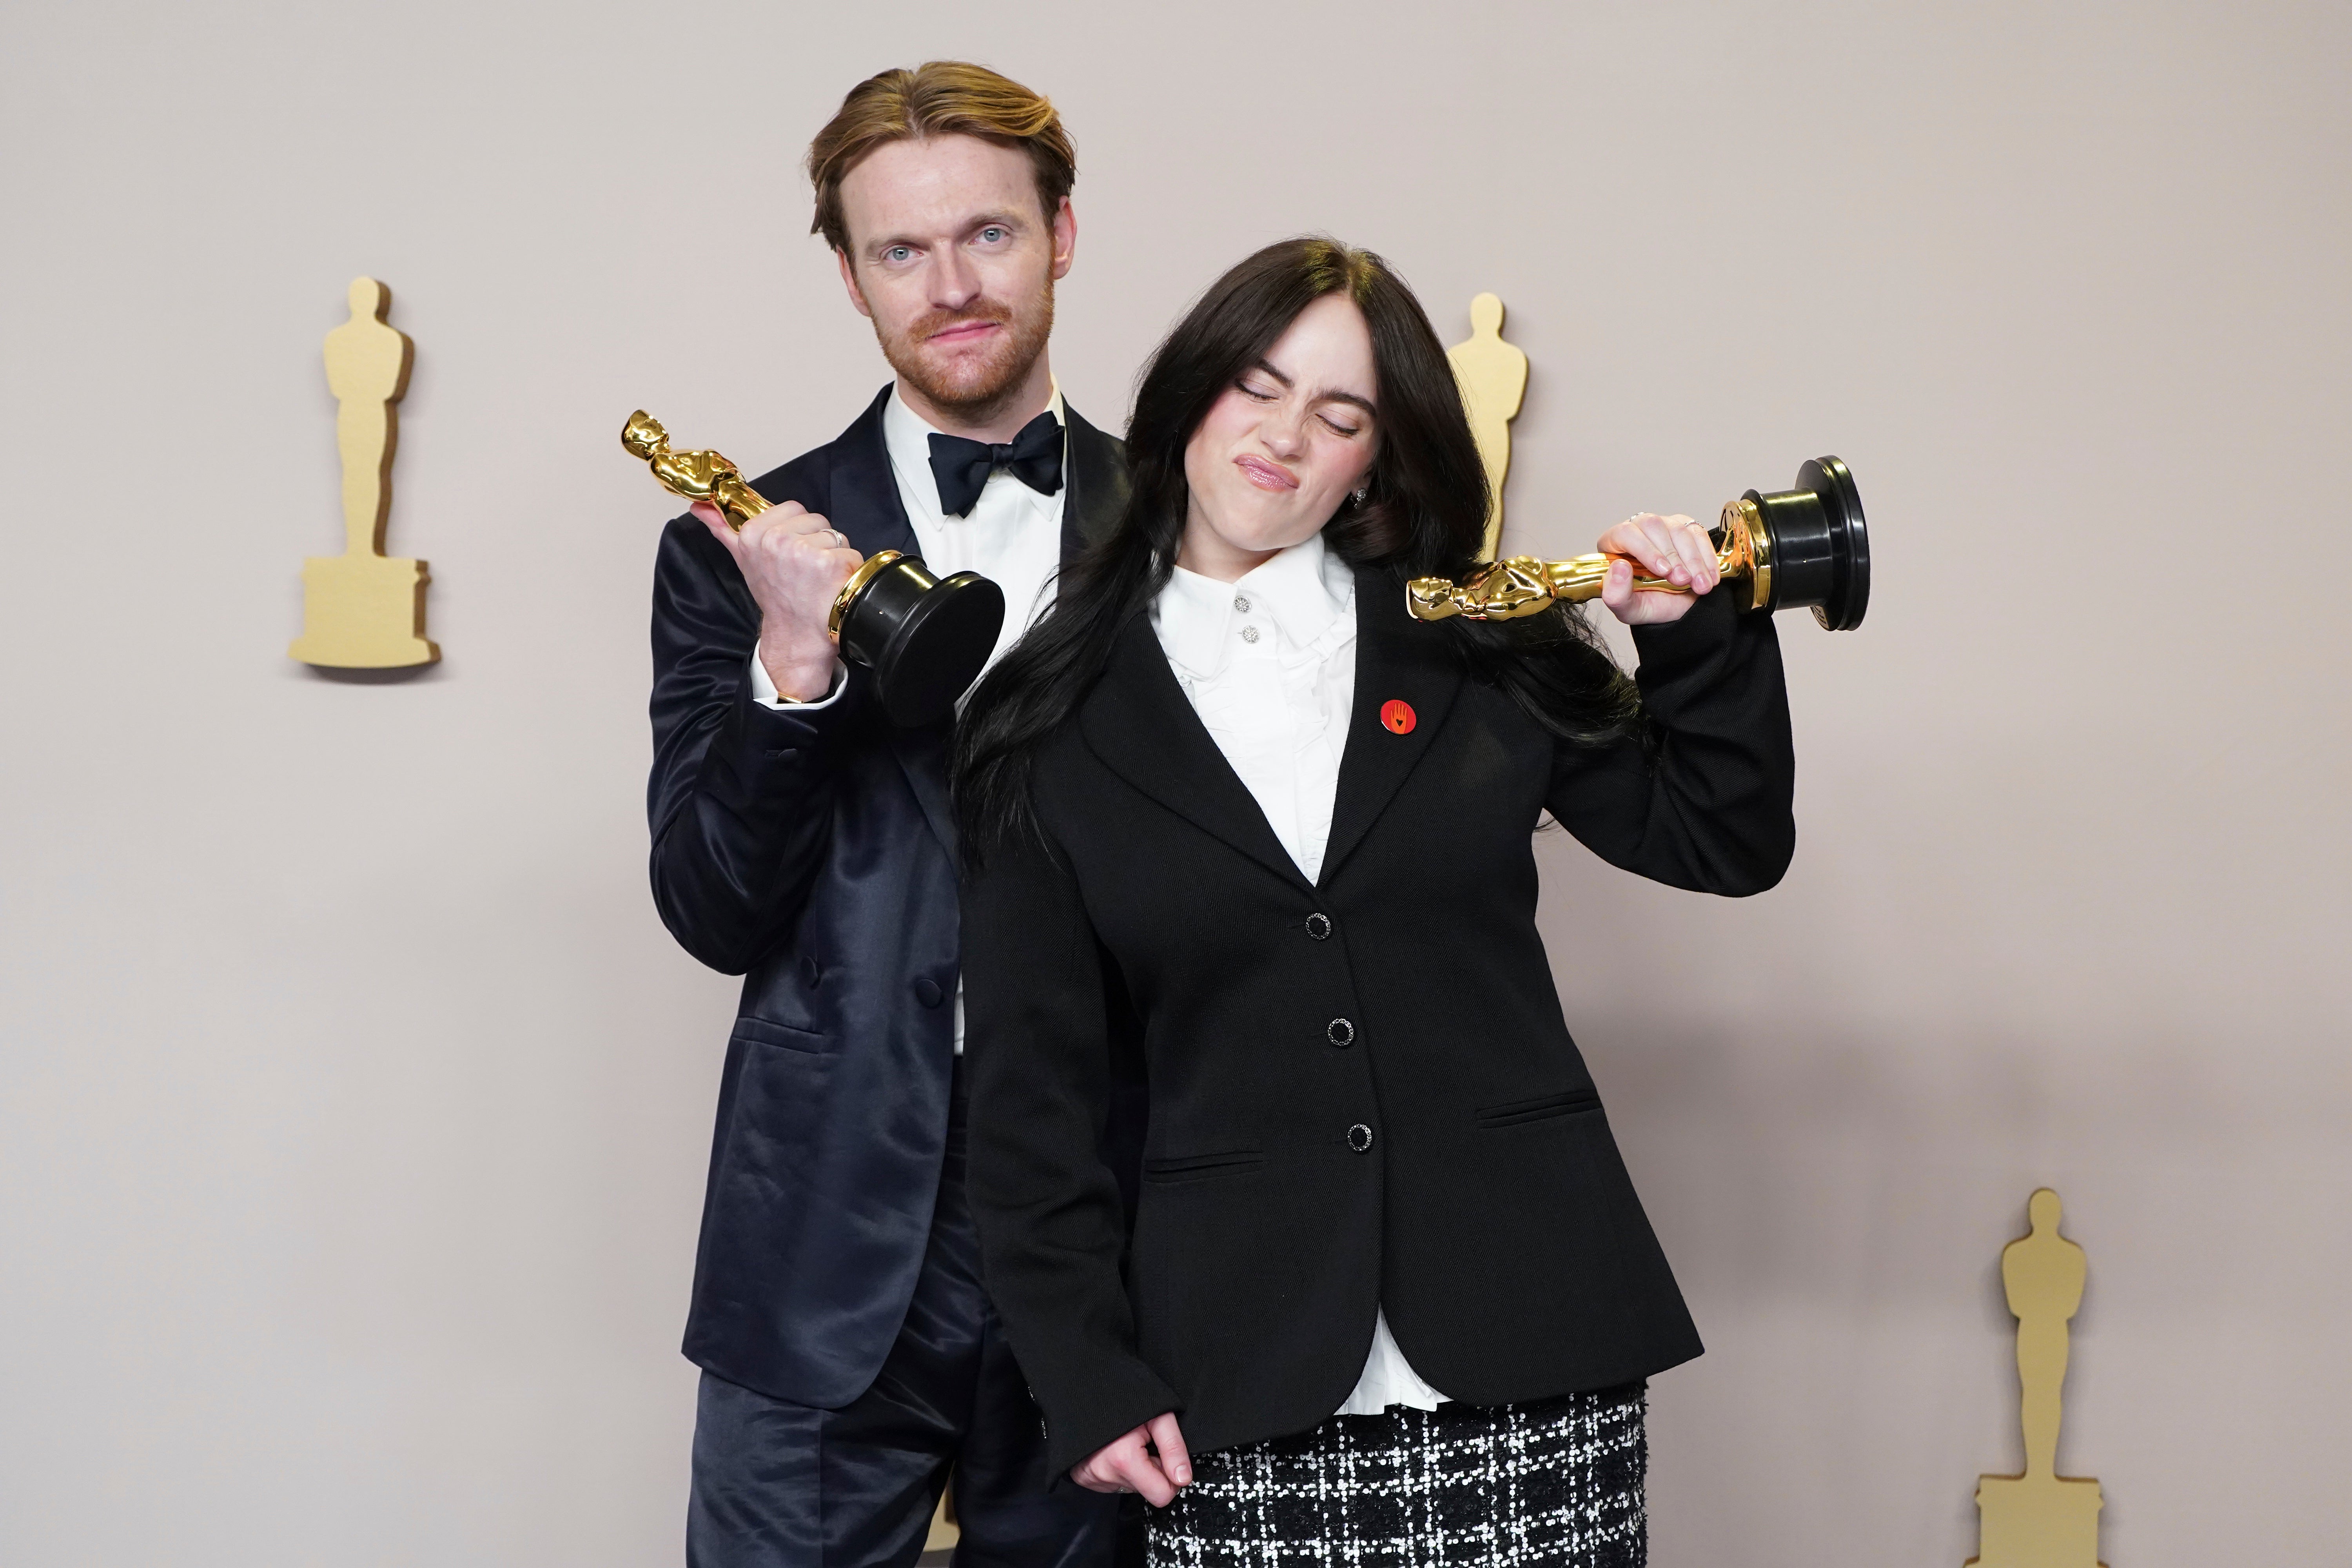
column 1012, row 536
column 1269, row 663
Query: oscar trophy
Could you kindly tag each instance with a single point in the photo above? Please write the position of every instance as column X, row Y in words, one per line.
column 924, row 637
column 1804, row 547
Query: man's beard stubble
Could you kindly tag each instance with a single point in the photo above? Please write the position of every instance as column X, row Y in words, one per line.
column 976, row 393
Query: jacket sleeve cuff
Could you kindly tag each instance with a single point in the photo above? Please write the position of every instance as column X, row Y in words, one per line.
column 760, row 745
column 1674, row 645
column 1115, row 1402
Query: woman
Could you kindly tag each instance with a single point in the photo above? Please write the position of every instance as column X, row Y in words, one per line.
column 1386, row 1292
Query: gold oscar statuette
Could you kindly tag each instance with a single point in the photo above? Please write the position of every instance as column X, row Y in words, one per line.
column 1806, row 547
column 925, row 638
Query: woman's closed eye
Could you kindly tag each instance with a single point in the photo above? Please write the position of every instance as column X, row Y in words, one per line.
column 1337, row 425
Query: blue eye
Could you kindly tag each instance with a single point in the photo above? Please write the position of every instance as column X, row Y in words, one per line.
column 897, row 253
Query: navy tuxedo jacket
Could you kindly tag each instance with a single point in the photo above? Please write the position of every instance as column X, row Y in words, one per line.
column 812, row 853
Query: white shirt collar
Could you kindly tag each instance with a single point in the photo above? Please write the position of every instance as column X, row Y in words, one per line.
column 908, row 434
column 1300, row 593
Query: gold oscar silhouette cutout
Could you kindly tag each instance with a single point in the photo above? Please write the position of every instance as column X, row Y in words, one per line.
column 363, row 609
column 944, row 1533
column 1494, row 380
column 2041, row 1519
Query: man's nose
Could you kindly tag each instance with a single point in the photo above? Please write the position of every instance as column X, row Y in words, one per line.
column 955, row 282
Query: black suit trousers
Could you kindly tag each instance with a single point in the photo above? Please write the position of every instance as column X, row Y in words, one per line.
column 779, row 1485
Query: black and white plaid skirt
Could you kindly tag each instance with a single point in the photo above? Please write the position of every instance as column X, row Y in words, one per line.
column 1550, row 1485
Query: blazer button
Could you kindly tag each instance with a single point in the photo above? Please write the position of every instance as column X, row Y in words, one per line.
column 926, row 990
column 1360, row 1138
column 1340, row 1032
column 1318, row 926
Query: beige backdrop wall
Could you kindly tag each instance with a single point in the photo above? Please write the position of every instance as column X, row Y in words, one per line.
column 353, row 1105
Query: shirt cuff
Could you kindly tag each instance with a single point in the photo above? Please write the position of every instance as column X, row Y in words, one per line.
column 764, row 692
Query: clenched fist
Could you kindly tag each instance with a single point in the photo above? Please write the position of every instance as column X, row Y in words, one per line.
column 1151, row 1461
column 1673, row 548
column 794, row 563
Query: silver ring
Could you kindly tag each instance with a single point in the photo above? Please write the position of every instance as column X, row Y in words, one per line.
column 840, row 540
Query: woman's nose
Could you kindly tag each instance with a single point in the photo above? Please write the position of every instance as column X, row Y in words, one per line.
column 1283, row 437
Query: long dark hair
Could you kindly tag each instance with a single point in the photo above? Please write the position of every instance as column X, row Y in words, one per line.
column 1423, row 514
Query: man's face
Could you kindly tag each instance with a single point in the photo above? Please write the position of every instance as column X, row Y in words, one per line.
column 953, row 260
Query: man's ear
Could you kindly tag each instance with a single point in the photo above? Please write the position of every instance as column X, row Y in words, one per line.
column 1065, row 238
column 849, row 281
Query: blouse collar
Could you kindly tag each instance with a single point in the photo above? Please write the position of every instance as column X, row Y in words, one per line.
column 1300, row 594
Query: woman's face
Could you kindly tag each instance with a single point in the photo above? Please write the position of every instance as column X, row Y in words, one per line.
column 1284, row 445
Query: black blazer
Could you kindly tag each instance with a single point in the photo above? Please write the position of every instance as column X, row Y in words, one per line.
column 1362, row 1092
column 812, row 853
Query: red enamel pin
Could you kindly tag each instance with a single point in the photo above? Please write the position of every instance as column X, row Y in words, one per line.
column 1398, row 715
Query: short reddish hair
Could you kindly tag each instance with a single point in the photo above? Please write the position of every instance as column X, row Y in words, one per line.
column 938, row 98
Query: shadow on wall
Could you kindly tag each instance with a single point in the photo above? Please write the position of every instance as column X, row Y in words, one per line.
column 1869, row 1172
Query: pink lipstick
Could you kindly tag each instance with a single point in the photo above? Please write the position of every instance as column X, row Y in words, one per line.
column 1266, row 476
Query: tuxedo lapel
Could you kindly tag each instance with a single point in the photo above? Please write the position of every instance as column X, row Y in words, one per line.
column 1095, row 476
column 1398, row 658
column 1141, row 725
column 869, row 512
column 865, row 504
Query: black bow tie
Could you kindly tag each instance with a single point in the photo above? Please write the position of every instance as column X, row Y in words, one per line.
column 961, row 466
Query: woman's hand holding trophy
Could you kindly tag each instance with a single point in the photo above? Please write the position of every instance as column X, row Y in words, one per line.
column 1807, row 547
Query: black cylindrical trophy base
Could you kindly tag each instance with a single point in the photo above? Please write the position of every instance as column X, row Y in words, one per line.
column 1818, row 545
column 924, row 638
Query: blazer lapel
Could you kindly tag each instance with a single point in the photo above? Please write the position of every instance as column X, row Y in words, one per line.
column 867, row 510
column 1094, row 476
column 1139, row 721
column 1397, row 659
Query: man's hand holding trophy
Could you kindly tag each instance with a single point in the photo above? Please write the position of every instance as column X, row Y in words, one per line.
column 924, row 637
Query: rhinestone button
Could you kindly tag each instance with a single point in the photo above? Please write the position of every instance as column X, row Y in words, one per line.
column 1249, row 634
column 1241, row 603
column 1360, row 1138
column 1318, row 926
column 1340, row 1032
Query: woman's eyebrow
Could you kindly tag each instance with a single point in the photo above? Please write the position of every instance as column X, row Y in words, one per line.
column 1323, row 395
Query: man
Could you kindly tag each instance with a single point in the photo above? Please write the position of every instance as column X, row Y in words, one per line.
column 848, row 1354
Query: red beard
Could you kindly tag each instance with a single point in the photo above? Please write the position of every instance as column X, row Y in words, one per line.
column 973, row 385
